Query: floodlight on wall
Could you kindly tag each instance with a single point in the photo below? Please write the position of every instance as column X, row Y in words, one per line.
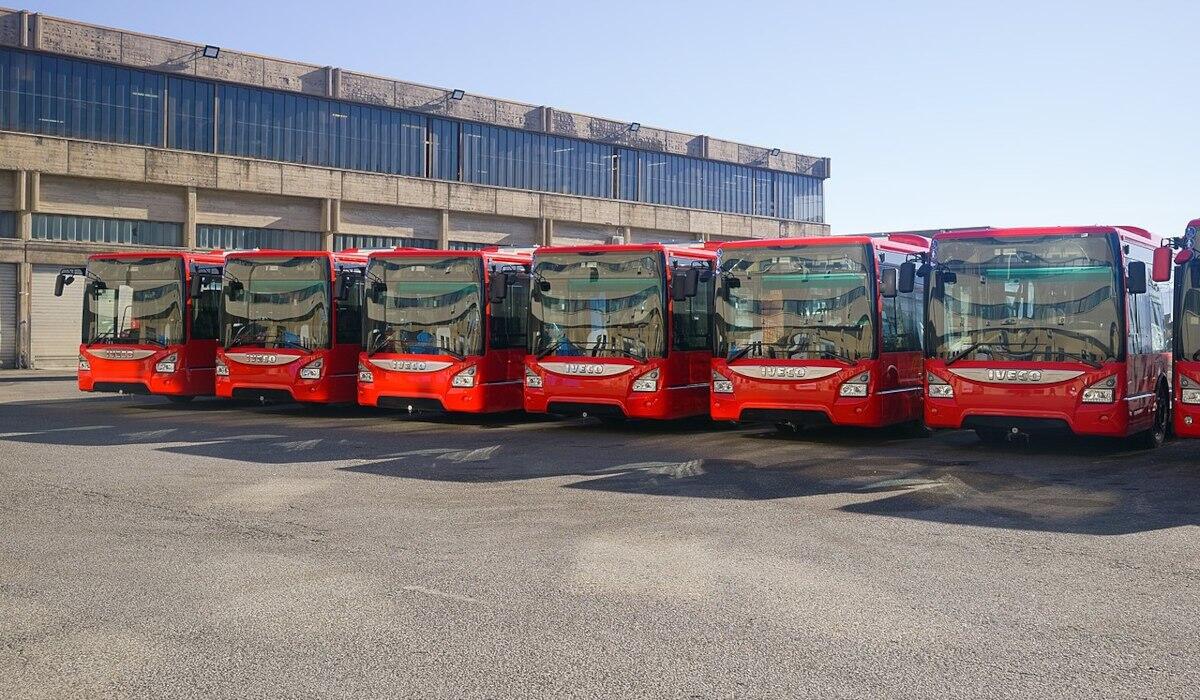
column 774, row 151
column 457, row 95
column 211, row 51
column 634, row 127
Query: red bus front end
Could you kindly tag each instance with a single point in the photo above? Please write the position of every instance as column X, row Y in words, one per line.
column 291, row 326
column 444, row 330
column 147, row 329
column 1186, row 322
column 809, row 334
column 620, row 331
column 1046, row 330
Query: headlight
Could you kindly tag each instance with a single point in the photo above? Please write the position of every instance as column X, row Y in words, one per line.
column 1191, row 392
column 1103, row 391
column 364, row 374
column 721, row 383
column 222, row 368
column 465, row 378
column 938, row 388
column 167, row 364
column 312, row 370
column 647, row 382
column 83, row 363
column 856, row 386
column 532, row 379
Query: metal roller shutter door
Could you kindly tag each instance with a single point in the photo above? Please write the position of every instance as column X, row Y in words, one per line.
column 56, row 322
column 8, row 315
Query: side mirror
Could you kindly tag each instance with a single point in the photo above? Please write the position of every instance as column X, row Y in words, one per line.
column 728, row 283
column 235, row 288
column 195, row 286
column 1162, row 264
column 907, row 281
column 62, row 281
column 685, row 286
column 888, row 283
column 543, row 285
column 378, row 291
column 342, row 286
column 498, row 287
column 1136, row 278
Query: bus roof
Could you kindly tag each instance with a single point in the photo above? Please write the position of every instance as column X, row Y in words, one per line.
column 489, row 254
column 344, row 256
column 1133, row 233
column 695, row 250
column 215, row 257
column 896, row 242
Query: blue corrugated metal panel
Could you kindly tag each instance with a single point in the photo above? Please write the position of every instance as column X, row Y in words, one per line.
column 242, row 238
column 189, row 114
column 62, row 227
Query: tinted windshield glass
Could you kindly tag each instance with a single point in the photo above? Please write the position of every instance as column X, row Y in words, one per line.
column 797, row 302
column 134, row 301
column 425, row 306
column 1188, row 327
column 602, row 304
column 276, row 302
column 1049, row 298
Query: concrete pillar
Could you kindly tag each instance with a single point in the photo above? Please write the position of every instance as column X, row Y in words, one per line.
column 331, row 219
column 627, row 233
column 189, row 218
column 34, row 36
column 334, row 85
column 24, row 314
column 444, row 230
column 23, row 27
column 547, row 231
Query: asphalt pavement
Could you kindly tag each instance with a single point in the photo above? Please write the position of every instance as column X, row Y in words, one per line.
column 231, row 550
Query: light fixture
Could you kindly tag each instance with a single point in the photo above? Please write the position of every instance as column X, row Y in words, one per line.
column 211, row 51
column 457, row 94
column 634, row 127
column 774, row 151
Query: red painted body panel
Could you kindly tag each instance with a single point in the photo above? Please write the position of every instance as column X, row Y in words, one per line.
column 498, row 376
column 339, row 376
column 895, row 390
column 194, row 374
column 1137, row 377
column 683, row 374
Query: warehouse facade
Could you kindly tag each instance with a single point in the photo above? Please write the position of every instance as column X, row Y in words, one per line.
column 111, row 139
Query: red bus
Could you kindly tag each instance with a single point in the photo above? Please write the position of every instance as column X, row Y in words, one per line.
column 444, row 330
column 1185, row 322
column 620, row 331
column 1053, row 329
column 149, row 322
column 291, row 326
column 813, row 331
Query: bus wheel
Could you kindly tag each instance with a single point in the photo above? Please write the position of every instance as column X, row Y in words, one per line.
column 786, row 428
column 992, row 436
column 1157, row 435
column 180, row 399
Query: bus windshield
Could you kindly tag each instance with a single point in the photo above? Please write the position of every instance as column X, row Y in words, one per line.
column 131, row 300
column 1188, row 326
column 608, row 304
column 425, row 306
column 797, row 302
column 277, row 302
column 1044, row 298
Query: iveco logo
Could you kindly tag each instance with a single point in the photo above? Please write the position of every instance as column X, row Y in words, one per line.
column 771, row 372
column 581, row 368
column 409, row 366
column 258, row 358
column 119, row 354
column 1014, row 375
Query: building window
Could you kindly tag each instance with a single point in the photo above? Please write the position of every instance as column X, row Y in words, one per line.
column 470, row 245
column 77, row 99
column 190, row 115
column 8, row 224
column 344, row 241
column 240, row 238
column 443, row 144
column 91, row 229
column 525, row 160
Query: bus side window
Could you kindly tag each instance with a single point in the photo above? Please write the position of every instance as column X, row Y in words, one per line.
column 1158, row 334
column 510, row 318
column 349, row 314
column 692, row 319
column 903, row 326
column 206, row 310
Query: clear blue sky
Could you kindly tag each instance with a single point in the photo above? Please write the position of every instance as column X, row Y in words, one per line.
column 935, row 114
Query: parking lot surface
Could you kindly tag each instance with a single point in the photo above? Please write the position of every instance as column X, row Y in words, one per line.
column 231, row 550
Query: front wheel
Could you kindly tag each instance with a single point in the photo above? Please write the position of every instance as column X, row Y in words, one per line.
column 1157, row 435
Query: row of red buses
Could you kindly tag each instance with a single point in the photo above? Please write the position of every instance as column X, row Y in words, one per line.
column 150, row 322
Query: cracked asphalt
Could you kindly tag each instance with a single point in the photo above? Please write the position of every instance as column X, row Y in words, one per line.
column 229, row 550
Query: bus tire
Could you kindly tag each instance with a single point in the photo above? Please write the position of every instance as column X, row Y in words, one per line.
column 180, row 399
column 992, row 436
column 1155, row 437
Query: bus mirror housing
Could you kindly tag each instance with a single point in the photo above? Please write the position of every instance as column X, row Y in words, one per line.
column 63, row 280
column 1136, row 279
column 235, row 288
column 378, row 290
column 498, row 287
column 907, row 281
column 728, row 283
column 341, row 288
column 888, row 283
column 685, row 286
column 543, row 285
column 1162, row 264
column 195, row 286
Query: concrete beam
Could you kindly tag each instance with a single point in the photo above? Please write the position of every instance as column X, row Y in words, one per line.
column 189, row 217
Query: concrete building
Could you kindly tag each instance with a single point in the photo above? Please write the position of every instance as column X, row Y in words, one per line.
column 111, row 139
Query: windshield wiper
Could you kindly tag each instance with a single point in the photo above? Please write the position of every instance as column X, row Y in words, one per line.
column 453, row 353
column 626, row 353
column 235, row 341
column 824, row 353
column 756, row 345
column 111, row 333
column 379, row 339
column 285, row 343
column 964, row 352
column 1078, row 356
column 548, row 349
column 154, row 341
